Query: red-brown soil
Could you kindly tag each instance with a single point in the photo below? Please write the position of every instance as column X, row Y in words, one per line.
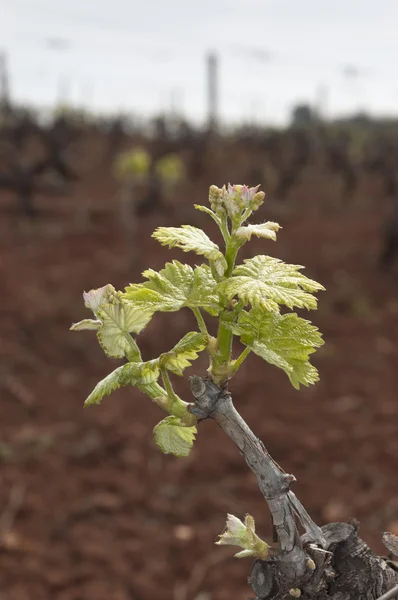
column 100, row 513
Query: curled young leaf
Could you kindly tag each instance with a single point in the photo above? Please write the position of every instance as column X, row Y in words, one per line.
column 265, row 230
column 116, row 319
column 148, row 372
column 89, row 324
column 173, row 437
column 244, row 535
column 186, row 350
column 119, row 319
column 94, row 298
column 189, row 238
column 137, row 374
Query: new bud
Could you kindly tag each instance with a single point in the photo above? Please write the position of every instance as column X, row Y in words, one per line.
column 248, row 194
column 244, row 535
column 257, row 200
column 216, row 199
column 233, row 200
column 239, row 198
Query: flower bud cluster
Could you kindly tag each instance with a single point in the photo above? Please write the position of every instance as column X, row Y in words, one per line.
column 234, row 199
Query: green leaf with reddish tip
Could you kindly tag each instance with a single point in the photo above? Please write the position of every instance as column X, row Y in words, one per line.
column 116, row 319
column 94, row 298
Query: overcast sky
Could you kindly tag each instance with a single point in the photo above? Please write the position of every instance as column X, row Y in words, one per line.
column 147, row 55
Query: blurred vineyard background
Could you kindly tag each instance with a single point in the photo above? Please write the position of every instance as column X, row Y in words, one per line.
column 89, row 507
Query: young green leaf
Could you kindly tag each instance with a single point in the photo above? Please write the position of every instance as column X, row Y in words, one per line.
column 265, row 230
column 89, row 324
column 266, row 282
column 173, row 437
column 116, row 319
column 189, row 238
column 244, row 535
column 184, row 351
column 149, row 372
column 176, row 286
column 285, row 341
column 137, row 373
